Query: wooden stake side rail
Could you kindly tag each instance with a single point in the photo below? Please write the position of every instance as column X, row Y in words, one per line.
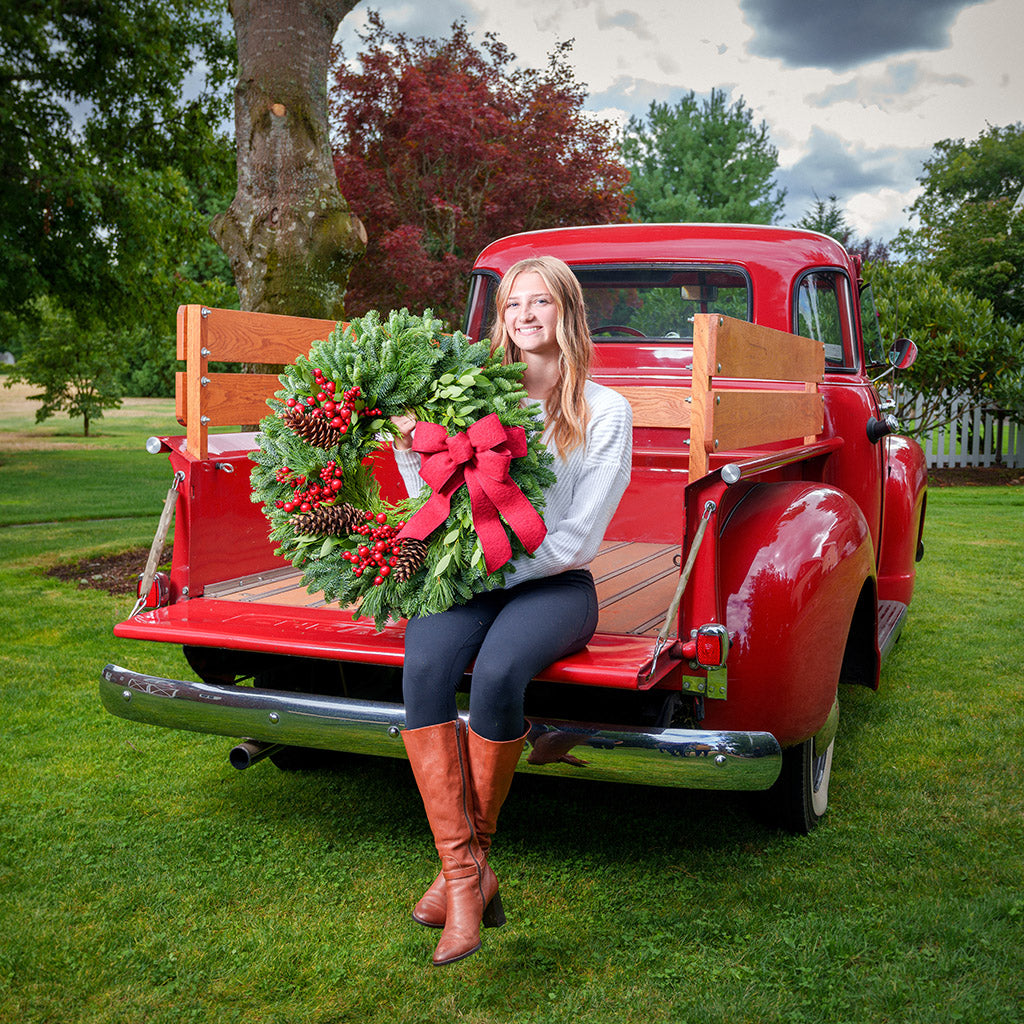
column 205, row 334
column 717, row 419
column 635, row 584
column 726, row 419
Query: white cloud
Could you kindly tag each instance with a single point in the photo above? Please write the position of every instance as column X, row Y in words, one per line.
column 881, row 214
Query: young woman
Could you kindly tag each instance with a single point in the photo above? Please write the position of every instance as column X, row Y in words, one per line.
column 547, row 609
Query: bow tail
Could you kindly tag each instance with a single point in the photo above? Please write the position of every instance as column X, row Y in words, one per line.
column 487, row 523
column 435, row 512
column 488, row 498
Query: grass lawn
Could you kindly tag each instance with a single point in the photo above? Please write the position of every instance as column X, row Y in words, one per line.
column 144, row 879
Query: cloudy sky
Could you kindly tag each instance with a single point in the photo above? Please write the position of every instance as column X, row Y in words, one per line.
column 854, row 93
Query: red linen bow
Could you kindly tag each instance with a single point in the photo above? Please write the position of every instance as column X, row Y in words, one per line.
column 480, row 459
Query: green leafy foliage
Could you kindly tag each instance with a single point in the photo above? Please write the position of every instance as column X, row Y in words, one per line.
column 964, row 348
column 971, row 218
column 702, row 161
column 404, row 364
column 443, row 146
column 113, row 157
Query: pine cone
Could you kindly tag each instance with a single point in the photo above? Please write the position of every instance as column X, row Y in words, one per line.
column 409, row 559
column 327, row 521
column 318, row 432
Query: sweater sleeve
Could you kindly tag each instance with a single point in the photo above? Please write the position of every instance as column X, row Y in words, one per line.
column 598, row 474
column 408, row 463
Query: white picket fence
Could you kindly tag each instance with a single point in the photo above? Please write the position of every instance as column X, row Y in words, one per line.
column 974, row 436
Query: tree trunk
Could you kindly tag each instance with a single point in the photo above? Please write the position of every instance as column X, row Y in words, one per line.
column 288, row 233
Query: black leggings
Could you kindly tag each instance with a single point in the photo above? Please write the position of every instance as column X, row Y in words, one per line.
column 513, row 634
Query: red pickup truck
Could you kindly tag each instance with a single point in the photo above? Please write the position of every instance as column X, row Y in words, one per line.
column 764, row 551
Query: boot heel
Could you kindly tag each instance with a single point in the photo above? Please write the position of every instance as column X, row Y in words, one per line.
column 494, row 913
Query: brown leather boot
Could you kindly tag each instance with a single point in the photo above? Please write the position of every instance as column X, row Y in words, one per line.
column 440, row 767
column 492, row 765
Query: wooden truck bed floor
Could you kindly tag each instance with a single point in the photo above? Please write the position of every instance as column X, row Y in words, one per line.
column 635, row 584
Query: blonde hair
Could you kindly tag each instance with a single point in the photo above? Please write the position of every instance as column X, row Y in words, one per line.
column 567, row 410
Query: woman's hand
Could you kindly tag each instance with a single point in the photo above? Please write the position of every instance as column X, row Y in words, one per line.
column 404, row 425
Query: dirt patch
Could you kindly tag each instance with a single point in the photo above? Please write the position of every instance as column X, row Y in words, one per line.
column 976, row 476
column 116, row 574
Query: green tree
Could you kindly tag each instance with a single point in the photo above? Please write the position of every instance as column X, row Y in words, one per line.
column 702, row 160
column 829, row 218
column 971, row 217
column 112, row 158
column 964, row 348
column 75, row 365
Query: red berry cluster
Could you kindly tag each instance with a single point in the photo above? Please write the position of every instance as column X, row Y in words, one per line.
column 305, row 499
column 323, row 406
column 380, row 551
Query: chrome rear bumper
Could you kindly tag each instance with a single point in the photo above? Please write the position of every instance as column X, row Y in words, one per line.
column 683, row 758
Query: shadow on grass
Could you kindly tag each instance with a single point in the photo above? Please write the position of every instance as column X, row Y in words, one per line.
column 547, row 820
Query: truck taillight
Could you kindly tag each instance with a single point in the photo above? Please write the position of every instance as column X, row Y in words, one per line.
column 159, row 594
column 712, row 645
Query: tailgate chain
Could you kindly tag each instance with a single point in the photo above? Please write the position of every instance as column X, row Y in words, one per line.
column 684, row 578
column 157, row 547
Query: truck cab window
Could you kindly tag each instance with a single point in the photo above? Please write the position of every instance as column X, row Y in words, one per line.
column 821, row 312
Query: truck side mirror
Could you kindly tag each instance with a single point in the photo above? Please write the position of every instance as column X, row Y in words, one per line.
column 902, row 354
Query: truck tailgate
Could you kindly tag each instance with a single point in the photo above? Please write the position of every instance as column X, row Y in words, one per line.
column 272, row 612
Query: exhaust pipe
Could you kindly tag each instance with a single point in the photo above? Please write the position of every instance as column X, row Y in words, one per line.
column 248, row 752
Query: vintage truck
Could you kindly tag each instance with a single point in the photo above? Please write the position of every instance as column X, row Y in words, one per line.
column 764, row 551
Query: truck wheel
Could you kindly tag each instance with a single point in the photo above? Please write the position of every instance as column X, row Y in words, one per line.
column 799, row 798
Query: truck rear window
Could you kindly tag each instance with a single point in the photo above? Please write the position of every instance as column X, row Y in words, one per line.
column 625, row 303
column 659, row 303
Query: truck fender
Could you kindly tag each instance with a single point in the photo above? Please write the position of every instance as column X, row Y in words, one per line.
column 901, row 543
column 794, row 559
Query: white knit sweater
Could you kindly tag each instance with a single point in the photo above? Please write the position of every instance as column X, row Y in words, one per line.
column 580, row 504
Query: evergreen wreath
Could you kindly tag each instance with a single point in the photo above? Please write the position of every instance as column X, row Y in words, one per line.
column 314, row 464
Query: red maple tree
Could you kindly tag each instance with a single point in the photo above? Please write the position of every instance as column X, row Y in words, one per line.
column 442, row 146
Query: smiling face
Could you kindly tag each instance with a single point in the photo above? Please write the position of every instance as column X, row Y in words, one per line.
column 531, row 316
